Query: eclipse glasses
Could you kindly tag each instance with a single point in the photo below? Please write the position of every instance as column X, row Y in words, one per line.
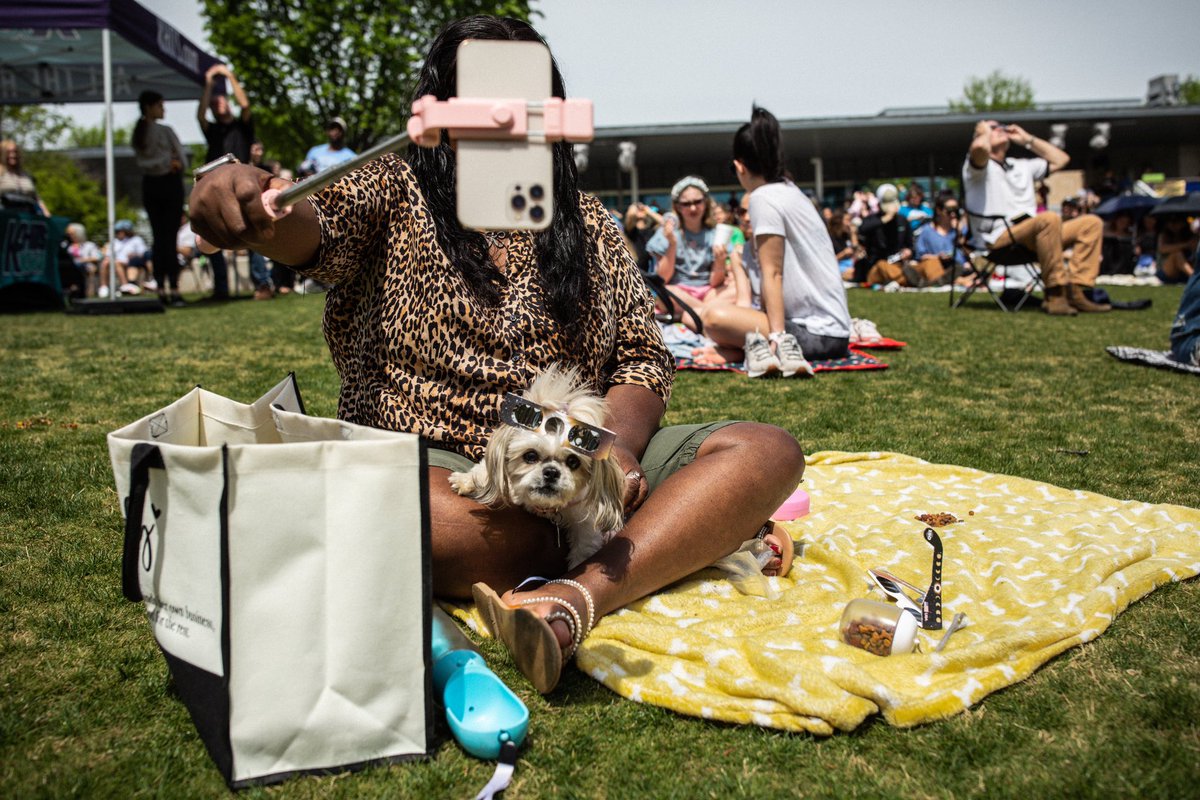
column 587, row 440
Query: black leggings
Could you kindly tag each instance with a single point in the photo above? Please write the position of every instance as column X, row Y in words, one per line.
column 163, row 197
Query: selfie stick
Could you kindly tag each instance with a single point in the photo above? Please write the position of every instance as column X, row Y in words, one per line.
column 463, row 118
column 278, row 202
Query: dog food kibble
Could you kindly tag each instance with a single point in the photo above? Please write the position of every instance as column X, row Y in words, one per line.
column 872, row 638
column 938, row 520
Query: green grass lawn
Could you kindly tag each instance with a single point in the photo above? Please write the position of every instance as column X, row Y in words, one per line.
column 83, row 704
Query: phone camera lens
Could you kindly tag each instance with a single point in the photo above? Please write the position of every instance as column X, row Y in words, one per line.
column 536, row 192
column 536, row 213
column 518, row 202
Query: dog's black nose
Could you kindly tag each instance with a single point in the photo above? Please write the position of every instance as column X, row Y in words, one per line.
column 550, row 474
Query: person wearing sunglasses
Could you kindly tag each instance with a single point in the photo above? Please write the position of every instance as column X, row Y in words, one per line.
column 641, row 223
column 687, row 255
column 995, row 184
column 937, row 247
column 431, row 325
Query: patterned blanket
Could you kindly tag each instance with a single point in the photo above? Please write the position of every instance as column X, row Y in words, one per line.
column 1151, row 358
column 1031, row 582
column 692, row 351
column 856, row 360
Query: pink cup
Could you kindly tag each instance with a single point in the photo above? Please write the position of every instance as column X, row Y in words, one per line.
column 794, row 507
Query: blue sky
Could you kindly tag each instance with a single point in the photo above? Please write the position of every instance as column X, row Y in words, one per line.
column 653, row 61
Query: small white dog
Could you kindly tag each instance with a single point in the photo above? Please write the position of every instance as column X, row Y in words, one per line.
column 550, row 456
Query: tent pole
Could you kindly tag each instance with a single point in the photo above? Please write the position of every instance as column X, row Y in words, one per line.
column 109, row 168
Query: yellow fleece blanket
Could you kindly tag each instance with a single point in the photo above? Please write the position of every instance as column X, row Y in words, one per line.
column 1035, row 568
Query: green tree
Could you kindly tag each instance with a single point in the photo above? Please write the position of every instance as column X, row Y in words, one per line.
column 62, row 183
column 995, row 92
column 302, row 62
column 93, row 136
column 1189, row 91
column 33, row 127
column 69, row 191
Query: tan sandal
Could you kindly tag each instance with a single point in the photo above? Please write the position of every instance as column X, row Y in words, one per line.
column 529, row 638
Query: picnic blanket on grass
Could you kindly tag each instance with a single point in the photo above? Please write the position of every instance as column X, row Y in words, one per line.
column 856, row 360
column 686, row 344
column 1151, row 358
column 1037, row 569
column 882, row 343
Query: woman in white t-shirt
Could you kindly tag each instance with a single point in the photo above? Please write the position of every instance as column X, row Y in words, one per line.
column 803, row 303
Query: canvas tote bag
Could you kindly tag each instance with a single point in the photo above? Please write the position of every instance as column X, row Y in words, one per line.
column 284, row 564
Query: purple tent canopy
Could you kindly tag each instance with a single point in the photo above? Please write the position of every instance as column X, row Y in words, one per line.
column 86, row 51
column 51, row 52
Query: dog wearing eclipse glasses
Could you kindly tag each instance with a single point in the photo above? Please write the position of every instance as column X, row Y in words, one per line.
column 550, row 456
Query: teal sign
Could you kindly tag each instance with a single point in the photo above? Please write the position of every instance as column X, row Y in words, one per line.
column 29, row 249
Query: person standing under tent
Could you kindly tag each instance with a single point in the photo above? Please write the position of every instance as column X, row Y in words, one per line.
column 162, row 160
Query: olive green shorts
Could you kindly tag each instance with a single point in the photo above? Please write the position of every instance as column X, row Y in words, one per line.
column 670, row 449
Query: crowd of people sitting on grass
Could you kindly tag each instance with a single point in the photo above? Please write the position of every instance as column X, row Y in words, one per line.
column 764, row 276
column 896, row 235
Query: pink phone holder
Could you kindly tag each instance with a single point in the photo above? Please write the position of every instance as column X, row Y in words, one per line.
column 496, row 119
column 492, row 118
column 794, row 507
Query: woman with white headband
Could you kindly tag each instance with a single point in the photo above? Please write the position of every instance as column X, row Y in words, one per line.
column 686, row 254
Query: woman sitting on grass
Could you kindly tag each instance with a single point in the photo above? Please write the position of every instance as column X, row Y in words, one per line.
column 430, row 324
column 685, row 250
column 803, row 303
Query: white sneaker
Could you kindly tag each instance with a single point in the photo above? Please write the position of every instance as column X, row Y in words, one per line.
column 760, row 360
column 102, row 292
column 150, row 285
column 863, row 330
column 130, row 288
column 791, row 357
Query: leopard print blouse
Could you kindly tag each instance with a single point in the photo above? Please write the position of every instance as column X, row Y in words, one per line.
column 417, row 353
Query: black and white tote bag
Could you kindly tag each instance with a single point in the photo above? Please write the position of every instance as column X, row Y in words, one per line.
column 284, row 564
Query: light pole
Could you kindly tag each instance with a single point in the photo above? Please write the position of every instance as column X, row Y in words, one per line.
column 819, row 177
column 626, row 160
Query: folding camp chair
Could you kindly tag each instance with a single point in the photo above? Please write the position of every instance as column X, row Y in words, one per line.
column 1013, row 257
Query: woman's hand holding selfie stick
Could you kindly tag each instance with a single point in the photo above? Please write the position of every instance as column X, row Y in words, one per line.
column 462, row 118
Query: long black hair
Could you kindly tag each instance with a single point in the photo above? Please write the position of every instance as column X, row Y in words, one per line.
column 564, row 256
column 145, row 100
column 758, row 146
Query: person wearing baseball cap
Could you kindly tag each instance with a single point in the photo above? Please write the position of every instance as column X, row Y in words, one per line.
column 887, row 239
column 333, row 152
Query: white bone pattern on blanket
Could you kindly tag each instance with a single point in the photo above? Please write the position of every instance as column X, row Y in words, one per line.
column 1032, row 584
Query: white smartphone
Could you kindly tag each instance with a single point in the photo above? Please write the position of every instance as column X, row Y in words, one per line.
column 505, row 185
